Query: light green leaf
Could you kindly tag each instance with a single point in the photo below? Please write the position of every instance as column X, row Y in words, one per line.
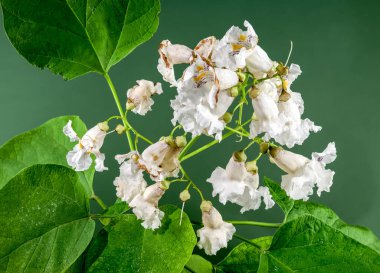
column 113, row 211
column 131, row 248
column 44, row 220
column 279, row 196
column 43, row 145
column 74, row 37
column 198, row 264
column 245, row 258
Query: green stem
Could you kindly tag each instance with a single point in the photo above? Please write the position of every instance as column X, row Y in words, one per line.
column 99, row 201
column 254, row 223
column 113, row 117
column 188, row 146
column 118, row 104
column 237, row 131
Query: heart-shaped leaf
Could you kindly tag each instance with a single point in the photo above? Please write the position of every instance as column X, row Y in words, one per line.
column 199, row 265
column 44, row 220
column 43, row 145
column 74, row 37
column 131, row 248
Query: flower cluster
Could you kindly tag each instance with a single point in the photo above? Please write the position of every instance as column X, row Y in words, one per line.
column 220, row 78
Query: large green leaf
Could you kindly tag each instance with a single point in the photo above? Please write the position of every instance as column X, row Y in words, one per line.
column 44, row 220
column 198, row 264
column 74, row 37
column 43, row 145
column 131, row 248
column 279, row 196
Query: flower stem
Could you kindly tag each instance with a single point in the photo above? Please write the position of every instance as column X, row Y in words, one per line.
column 188, row 146
column 118, row 104
column 254, row 223
column 237, row 131
column 99, row 201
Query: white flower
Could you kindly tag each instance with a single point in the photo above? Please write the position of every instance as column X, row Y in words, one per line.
column 80, row 157
column 203, row 99
column 169, row 56
column 130, row 182
column 293, row 73
column 266, row 114
column 160, row 159
column 205, row 47
column 237, row 185
column 259, row 64
column 303, row 173
column 145, row 206
column 216, row 233
column 236, row 45
column 139, row 96
column 295, row 129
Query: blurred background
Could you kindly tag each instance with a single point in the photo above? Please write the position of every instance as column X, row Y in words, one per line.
column 336, row 42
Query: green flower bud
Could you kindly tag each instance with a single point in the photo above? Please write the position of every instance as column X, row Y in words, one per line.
column 206, row 206
column 180, row 141
column 184, row 195
column 130, row 105
column 169, row 140
column 251, row 167
column 242, row 76
column 264, row 146
column 120, row 129
column 285, row 96
column 240, row 156
column 254, row 93
column 227, row 117
column 282, row 69
column 104, row 126
column 233, row 92
column 164, row 185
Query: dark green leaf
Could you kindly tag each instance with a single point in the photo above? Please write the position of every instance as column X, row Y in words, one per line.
column 44, row 220
column 96, row 247
column 113, row 211
column 198, row 264
column 74, row 37
column 279, row 195
column 131, row 248
column 245, row 258
column 43, row 145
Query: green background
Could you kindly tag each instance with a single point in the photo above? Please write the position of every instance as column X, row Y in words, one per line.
column 335, row 42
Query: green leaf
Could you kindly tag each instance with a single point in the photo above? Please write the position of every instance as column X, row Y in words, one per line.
column 44, row 220
column 131, row 248
column 198, row 264
column 113, row 211
column 43, row 145
column 279, row 195
column 96, row 247
column 245, row 258
column 74, row 37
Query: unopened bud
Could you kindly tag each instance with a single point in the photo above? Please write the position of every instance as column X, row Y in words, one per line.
column 254, row 93
column 104, row 126
column 180, row 141
column 168, row 140
column 282, row 69
column 240, row 156
column 206, row 206
column 242, row 76
column 273, row 151
column 264, row 146
column 251, row 167
column 227, row 117
column 130, row 105
column 285, row 96
column 184, row 195
column 135, row 157
column 120, row 129
column 233, row 92
column 164, row 185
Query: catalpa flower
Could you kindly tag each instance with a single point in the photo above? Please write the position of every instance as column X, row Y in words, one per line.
column 145, row 206
column 303, row 173
column 259, row 64
column 139, row 96
column 216, row 233
column 202, row 98
column 80, row 157
column 236, row 45
column 239, row 185
column 130, row 182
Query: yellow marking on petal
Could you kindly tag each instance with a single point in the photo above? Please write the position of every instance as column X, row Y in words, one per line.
column 236, row 47
column 242, row 37
column 199, row 68
column 200, row 76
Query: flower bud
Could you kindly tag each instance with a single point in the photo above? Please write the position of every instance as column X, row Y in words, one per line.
column 184, row 195
column 120, row 129
column 285, row 96
column 282, row 69
column 251, row 167
column 287, row 161
column 104, row 126
column 180, row 141
column 169, row 140
column 135, row 157
column 233, row 92
column 264, row 146
column 130, row 105
column 240, row 156
column 227, row 117
column 274, row 151
column 242, row 76
column 254, row 92
column 206, row 206
column 164, row 185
